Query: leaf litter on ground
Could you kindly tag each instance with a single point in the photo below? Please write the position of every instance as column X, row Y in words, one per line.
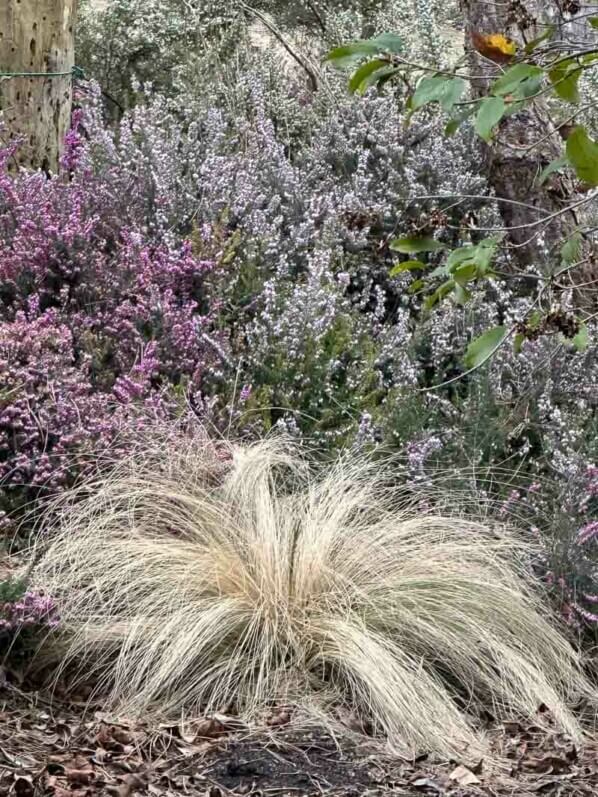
column 55, row 749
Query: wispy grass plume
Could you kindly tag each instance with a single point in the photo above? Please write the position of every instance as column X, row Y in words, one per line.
column 196, row 577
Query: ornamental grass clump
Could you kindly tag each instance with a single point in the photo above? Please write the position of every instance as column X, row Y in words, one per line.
column 198, row 577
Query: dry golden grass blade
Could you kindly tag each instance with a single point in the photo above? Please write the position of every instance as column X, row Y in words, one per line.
column 195, row 577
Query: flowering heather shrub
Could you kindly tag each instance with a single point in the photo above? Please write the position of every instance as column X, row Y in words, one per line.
column 101, row 318
column 27, row 610
column 25, row 614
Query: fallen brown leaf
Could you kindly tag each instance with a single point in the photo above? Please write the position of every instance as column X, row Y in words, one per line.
column 463, row 776
column 80, row 777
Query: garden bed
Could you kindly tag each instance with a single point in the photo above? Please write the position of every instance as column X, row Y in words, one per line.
column 52, row 748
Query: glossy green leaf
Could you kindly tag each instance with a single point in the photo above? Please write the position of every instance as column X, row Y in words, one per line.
column 388, row 43
column 461, row 294
column 454, row 91
column 438, row 88
column 407, row 265
column 513, row 80
column 370, row 74
column 440, row 293
column 478, row 257
column 429, row 89
column 354, row 51
column 565, row 78
column 465, row 273
column 483, row 347
column 582, row 153
column 413, row 245
column 490, row 112
column 364, row 72
column 416, row 286
column 454, row 124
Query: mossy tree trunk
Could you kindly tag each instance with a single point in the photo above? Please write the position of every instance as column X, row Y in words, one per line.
column 37, row 36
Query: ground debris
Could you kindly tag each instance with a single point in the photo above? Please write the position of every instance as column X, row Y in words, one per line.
column 53, row 750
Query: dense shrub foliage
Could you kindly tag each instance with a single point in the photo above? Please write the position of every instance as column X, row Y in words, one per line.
column 101, row 318
column 224, row 250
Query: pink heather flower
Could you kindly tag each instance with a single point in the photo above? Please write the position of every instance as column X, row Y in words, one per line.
column 33, row 608
column 418, row 452
column 568, row 613
column 587, row 533
column 245, row 393
column 513, row 498
column 590, row 617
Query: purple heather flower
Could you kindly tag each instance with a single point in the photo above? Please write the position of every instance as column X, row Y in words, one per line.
column 587, row 532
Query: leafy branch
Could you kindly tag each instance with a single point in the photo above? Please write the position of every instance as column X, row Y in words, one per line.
column 524, row 76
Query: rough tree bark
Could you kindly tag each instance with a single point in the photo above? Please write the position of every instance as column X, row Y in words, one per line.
column 37, row 36
column 512, row 170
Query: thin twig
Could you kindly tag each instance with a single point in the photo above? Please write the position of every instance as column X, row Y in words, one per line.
column 313, row 78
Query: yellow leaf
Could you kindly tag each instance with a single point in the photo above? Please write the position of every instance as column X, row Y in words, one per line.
column 494, row 46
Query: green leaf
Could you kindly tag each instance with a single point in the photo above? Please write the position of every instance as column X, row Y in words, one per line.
column 408, row 246
column 483, row 347
column 455, row 89
column 440, row 294
column 582, row 153
column 380, row 77
column 554, row 166
column 388, row 43
column 513, row 108
column 593, row 22
column 564, row 78
column 365, row 71
column 440, row 271
column 518, row 342
column 571, row 249
column 490, row 112
column 462, row 295
column 478, row 258
column 407, row 265
column 459, row 256
column 512, row 80
column 349, row 53
column 582, row 339
column 447, row 91
column 369, row 74
column 531, row 46
column 535, row 319
column 454, row 124
column 416, row 286
column 429, row 89
column 465, row 273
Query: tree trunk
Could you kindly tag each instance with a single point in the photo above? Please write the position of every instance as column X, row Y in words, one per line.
column 37, row 36
column 513, row 171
